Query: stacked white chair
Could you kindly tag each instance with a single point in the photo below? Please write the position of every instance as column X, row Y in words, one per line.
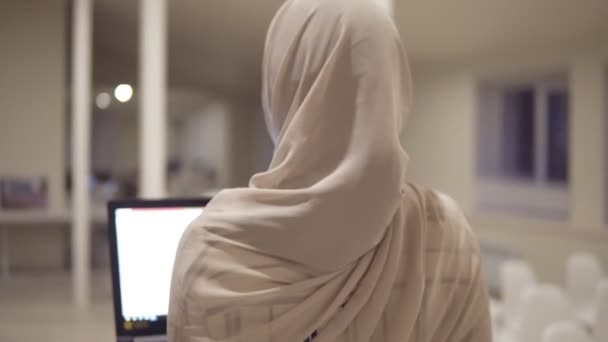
column 565, row 332
column 583, row 275
column 600, row 329
column 542, row 305
column 515, row 277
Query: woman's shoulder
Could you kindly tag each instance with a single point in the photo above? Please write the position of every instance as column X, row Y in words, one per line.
column 438, row 206
column 445, row 223
column 430, row 197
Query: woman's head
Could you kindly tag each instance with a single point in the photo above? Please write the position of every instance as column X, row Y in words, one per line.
column 336, row 89
column 343, row 44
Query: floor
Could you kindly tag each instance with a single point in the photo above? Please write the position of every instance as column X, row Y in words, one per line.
column 38, row 307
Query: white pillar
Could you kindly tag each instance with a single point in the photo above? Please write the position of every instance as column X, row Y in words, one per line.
column 152, row 99
column 587, row 143
column 81, row 143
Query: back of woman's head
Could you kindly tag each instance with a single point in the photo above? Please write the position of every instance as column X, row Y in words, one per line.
column 339, row 46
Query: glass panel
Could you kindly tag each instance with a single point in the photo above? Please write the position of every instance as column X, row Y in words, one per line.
column 518, row 133
column 557, row 136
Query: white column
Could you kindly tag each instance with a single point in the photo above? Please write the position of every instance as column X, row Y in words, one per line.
column 81, row 154
column 587, row 143
column 152, row 99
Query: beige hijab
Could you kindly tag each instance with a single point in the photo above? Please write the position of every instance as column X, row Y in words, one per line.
column 313, row 246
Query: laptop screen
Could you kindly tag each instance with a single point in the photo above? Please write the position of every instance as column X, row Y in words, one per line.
column 144, row 241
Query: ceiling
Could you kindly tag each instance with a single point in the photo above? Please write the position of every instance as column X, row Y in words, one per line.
column 217, row 45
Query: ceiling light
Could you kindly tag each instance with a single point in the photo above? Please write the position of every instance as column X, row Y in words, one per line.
column 123, row 92
column 103, row 100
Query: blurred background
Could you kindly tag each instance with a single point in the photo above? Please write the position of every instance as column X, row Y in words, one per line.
column 510, row 118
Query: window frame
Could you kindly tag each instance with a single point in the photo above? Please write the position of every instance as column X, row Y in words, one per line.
column 535, row 196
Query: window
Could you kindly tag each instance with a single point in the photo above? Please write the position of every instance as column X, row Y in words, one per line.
column 522, row 156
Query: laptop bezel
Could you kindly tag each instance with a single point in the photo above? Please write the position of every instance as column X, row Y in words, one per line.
column 144, row 328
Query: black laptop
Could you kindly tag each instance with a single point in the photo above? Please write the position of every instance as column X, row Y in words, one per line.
column 144, row 235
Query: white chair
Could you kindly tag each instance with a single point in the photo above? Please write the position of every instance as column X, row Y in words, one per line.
column 565, row 332
column 583, row 275
column 542, row 305
column 515, row 277
column 600, row 329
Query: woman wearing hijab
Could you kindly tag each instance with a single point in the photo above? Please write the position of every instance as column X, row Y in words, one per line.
column 331, row 243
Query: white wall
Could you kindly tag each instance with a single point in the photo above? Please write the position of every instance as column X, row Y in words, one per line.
column 441, row 140
column 490, row 104
column 545, row 244
column 440, row 133
column 203, row 136
column 587, row 167
column 32, row 92
column 33, row 116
